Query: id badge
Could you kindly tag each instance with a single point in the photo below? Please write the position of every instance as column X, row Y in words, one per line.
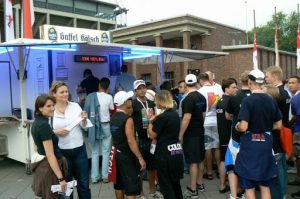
column 153, row 147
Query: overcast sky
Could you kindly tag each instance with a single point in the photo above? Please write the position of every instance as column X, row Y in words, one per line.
column 230, row 12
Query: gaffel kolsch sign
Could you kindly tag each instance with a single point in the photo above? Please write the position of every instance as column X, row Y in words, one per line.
column 61, row 33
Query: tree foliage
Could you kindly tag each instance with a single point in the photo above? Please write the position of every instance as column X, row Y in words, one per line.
column 287, row 33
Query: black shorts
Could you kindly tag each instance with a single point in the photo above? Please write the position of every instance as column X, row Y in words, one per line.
column 128, row 174
column 223, row 150
column 144, row 146
column 193, row 149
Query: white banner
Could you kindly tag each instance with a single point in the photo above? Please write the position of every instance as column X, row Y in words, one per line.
column 61, row 33
column 9, row 21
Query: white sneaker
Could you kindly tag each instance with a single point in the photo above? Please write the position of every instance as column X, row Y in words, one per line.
column 155, row 195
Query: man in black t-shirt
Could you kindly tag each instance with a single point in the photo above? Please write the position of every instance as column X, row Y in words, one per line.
column 192, row 135
column 232, row 112
column 89, row 84
column 274, row 77
column 229, row 88
column 143, row 109
column 125, row 150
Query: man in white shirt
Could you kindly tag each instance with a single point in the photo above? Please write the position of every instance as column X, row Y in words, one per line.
column 213, row 94
column 106, row 104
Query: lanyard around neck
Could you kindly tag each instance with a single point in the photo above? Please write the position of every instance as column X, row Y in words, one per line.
column 145, row 107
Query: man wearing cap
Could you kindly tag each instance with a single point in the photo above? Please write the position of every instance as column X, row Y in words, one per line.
column 259, row 115
column 192, row 135
column 142, row 111
column 126, row 149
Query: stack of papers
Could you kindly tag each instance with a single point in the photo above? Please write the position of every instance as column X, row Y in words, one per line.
column 70, row 186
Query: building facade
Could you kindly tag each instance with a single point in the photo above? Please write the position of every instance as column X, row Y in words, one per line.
column 190, row 32
column 90, row 14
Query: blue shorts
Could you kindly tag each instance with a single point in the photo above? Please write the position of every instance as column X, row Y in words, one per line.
column 250, row 184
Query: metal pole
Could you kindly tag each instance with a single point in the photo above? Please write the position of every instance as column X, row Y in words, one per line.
column 162, row 67
column 24, row 126
column 247, row 39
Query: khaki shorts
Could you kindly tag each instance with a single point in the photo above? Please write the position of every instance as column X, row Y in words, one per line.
column 296, row 144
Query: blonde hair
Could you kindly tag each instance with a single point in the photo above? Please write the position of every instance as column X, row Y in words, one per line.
column 275, row 71
column 56, row 85
column 272, row 90
column 164, row 100
column 244, row 77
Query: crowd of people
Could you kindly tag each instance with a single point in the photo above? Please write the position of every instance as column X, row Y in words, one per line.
column 239, row 126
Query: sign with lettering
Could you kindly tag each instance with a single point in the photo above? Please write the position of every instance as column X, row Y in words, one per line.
column 90, row 58
column 61, row 33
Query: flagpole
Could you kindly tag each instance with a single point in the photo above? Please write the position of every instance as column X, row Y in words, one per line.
column 247, row 39
column 298, row 39
column 276, row 41
column 254, row 58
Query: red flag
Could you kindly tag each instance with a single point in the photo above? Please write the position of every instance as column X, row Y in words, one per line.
column 298, row 47
column 28, row 18
column 255, row 64
column 9, row 21
column 277, row 59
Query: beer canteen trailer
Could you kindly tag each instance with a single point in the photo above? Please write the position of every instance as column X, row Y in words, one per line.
column 28, row 66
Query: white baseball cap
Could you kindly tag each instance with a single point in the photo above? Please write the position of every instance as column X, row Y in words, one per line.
column 150, row 94
column 257, row 76
column 190, row 79
column 137, row 83
column 121, row 97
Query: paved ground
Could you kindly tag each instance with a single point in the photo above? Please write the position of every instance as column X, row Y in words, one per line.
column 15, row 183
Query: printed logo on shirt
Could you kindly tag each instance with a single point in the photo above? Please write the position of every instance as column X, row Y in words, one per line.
column 258, row 137
column 175, row 149
column 212, row 100
column 219, row 111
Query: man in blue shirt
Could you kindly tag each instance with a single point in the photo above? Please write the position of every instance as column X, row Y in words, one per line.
column 125, row 80
column 259, row 115
column 294, row 87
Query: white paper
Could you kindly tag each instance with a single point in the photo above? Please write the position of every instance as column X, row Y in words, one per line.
column 89, row 124
column 74, row 123
column 70, row 186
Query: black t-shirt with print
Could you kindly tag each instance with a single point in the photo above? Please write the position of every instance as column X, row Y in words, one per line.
column 42, row 131
column 224, row 125
column 233, row 107
column 137, row 117
column 195, row 104
column 167, row 126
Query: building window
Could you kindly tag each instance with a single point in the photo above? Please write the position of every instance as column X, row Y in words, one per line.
column 146, row 77
column 169, row 76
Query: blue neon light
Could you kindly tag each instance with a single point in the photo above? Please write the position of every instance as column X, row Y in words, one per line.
column 145, row 51
column 4, row 50
column 65, row 47
column 129, row 56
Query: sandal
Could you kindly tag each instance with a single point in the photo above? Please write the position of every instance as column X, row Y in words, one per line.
column 208, row 176
column 225, row 189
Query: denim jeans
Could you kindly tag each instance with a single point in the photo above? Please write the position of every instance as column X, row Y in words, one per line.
column 79, row 169
column 106, row 143
column 279, row 185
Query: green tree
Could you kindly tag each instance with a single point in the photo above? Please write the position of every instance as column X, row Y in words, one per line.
column 287, row 33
